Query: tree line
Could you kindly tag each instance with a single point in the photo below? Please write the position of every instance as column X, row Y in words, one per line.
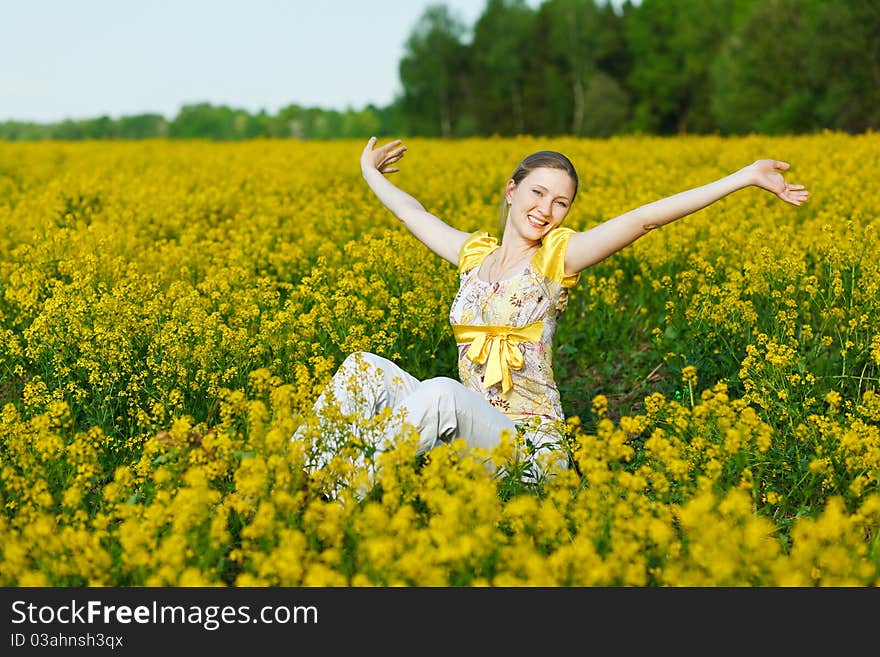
column 220, row 122
column 584, row 68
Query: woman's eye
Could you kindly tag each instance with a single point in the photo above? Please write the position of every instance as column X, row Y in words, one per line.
column 537, row 191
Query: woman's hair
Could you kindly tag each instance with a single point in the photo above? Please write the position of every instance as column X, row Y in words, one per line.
column 540, row 160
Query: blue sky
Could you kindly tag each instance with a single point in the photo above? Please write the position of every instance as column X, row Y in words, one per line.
column 86, row 58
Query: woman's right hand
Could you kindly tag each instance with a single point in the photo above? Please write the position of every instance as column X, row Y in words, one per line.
column 380, row 159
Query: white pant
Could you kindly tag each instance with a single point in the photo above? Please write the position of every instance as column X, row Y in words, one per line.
column 441, row 409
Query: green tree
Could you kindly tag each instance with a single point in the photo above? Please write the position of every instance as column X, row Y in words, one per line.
column 23, row 131
column 251, row 126
column 289, row 122
column 576, row 33
column 433, row 74
column 203, row 121
column 568, row 88
column 141, row 126
column 68, row 130
column 547, row 93
column 613, row 56
column 845, row 61
column 608, row 106
column 760, row 80
column 500, row 48
column 390, row 120
column 361, row 123
column 607, row 99
column 673, row 44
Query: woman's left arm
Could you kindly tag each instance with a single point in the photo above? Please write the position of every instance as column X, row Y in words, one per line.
column 589, row 247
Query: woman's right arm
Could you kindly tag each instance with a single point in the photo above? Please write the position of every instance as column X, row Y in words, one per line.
column 440, row 237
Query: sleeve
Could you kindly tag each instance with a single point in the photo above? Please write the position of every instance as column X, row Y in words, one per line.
column 474, row 250
column 550, row 258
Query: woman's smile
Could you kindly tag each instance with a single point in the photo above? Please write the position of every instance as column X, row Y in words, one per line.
column 536, row 221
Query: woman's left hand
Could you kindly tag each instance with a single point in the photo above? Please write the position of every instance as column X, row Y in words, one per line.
column 765, row 174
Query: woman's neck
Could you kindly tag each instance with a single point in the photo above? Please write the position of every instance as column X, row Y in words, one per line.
column 514, row 248
column 508, row 258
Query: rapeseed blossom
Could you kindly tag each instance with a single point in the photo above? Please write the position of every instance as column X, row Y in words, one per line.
column 170, row 310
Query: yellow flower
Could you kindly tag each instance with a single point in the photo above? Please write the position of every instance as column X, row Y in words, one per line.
column 600, row 405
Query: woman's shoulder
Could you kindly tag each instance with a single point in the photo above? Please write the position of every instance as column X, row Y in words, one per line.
column 557, row 236
column 550, row 258
column 475, row 249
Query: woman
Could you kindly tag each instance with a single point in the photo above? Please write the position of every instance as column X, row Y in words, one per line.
column 504, row 316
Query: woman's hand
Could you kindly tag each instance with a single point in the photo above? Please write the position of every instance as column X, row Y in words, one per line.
column 764, row 174
column 381, row 159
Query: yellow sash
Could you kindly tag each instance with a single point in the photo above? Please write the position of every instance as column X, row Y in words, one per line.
column 496, row 346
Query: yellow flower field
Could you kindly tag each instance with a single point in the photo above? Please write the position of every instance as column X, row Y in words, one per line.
column 169, row 310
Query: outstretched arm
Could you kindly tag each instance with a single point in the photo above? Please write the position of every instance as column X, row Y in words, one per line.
column 589, row 247
column 441, row 238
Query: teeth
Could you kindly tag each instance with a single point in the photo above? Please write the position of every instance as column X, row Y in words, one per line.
column 535, row 222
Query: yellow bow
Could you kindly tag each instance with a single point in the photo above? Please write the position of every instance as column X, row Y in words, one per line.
column 496, row 346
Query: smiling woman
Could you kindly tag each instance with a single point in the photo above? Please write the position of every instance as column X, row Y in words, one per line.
column 504, row 316
column 540, row 206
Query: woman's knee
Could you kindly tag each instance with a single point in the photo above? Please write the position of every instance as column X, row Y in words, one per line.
column 430, row 397
column 437, row 391
column 358, row 359
column 439, row 385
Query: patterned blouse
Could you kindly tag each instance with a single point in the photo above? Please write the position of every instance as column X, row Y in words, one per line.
column 504, row 330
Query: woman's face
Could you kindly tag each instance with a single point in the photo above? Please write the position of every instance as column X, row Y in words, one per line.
column 540, row 201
